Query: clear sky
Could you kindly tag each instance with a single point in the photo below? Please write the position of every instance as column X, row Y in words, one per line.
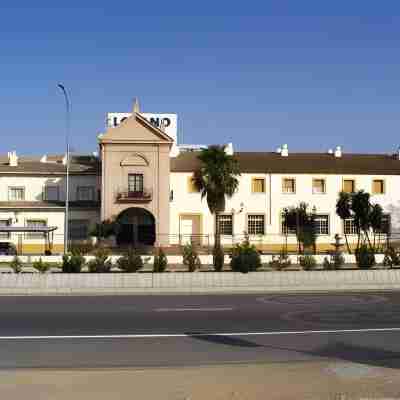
column 313, row 74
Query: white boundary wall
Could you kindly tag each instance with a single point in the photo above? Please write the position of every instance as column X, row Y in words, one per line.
column 212, row 282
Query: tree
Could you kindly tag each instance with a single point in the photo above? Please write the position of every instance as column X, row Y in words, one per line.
column 300, row 220
column 216, row 179
column 377, row 221
column 343, row 210
column 366, row 216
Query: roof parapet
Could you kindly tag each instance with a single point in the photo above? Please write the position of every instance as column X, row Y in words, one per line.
column 12, row 158
column 338, row 152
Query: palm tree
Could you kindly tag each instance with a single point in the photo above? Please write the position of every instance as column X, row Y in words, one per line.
column 216, row 179
column 343, row 210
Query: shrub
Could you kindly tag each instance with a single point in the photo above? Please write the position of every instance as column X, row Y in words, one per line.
column 281, row 261
column 365, row 257
column 219, row 258
column 391, row 257
column 41, row 266
column 81, row 249
column 190, row 257
column 245, row 257
column 100, row 264
column 16, row 265
column 160, row 261
column 72, row 263
column 308, row 262
column 326, row 264
column 131, row 261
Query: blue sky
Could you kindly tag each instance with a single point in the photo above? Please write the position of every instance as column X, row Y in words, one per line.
column 313, row 74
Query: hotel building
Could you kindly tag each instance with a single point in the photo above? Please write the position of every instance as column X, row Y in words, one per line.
column 141, row 176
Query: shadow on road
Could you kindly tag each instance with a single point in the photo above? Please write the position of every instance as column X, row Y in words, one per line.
column 336, row 350
column 227, row 340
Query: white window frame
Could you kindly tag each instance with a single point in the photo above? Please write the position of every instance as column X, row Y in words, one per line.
column 249, row 216
column 219, row 227
column 353, row 230
column 10, row 188
column 322, row 217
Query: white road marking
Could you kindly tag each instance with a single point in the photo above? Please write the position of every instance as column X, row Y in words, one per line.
column 188, row 335
column 182, row 309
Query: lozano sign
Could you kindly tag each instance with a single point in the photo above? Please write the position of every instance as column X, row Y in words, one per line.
column 168, row 121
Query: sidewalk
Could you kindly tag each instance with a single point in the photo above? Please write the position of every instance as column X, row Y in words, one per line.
column 327, row 380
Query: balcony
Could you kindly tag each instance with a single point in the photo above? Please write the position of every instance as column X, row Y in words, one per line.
column 126, row 196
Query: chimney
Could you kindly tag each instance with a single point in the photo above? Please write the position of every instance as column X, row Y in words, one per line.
column 229, row 149
column 44, row 159
column 338, row 152
column 136, row 107
column 12, row 159
column 284, row 150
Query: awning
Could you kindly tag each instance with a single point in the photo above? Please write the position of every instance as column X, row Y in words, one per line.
column 23, row 229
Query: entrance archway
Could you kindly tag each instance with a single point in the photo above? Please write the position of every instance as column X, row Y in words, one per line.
column 137, row 227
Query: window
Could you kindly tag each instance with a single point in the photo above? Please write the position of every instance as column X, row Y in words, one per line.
column 255, row 224
column 349, row 227
column 4, row 222
column 258, row 185
column 51, row 193
column 191, row 188
column 135, row 183
column 322, row 224
column 225, row 224
column 78, row 229
column 16, row 193
column 288, row 185
column 349, row 185
column 36, row 223
column 85, row 193
column 378, row 186
column 318, row 186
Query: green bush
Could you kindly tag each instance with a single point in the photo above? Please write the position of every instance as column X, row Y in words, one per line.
column 100, row 263
column 131, row 261
column 190, row 257
column 16, row 265
column 245, row 258
column 219, row 257
column 281, row 261
column 80, row 249
column 365, row 257
column 391, row 258
column 160, row 261
column 72, row 263
column 41, row 266
column 308, row 262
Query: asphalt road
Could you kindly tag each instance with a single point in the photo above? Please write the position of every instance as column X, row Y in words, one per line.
column 159, row 331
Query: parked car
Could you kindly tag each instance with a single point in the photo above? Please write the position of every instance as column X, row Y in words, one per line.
column 7, row 249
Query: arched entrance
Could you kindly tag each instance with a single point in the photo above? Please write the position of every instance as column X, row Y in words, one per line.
column 137, row 227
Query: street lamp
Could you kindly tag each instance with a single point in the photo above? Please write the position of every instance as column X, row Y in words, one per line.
column 67, row 129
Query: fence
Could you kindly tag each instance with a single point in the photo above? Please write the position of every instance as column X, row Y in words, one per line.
column 173, row 243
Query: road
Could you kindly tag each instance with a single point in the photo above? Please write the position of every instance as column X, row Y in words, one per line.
column 192, row 330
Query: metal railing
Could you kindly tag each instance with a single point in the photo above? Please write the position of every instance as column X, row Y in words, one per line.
column 129, row 196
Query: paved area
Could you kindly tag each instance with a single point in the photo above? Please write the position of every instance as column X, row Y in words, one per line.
column 328, row 380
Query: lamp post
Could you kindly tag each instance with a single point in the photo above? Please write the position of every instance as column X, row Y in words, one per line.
column 67, row 129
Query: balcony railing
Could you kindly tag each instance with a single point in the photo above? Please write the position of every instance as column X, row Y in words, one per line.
column 127, row 196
